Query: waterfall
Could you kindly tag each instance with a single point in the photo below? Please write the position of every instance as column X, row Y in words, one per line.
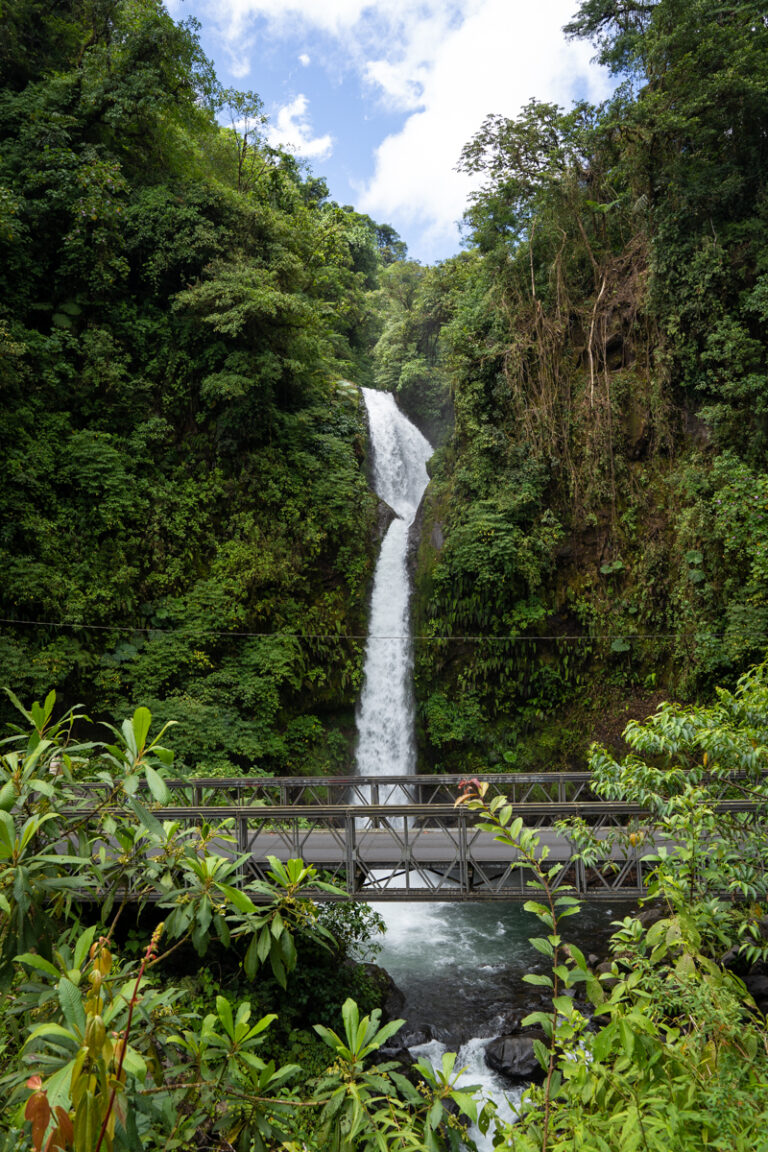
column 386, row 748
column 385, row 716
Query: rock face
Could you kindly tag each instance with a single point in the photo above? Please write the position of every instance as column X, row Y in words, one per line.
column 391, row 999
column 514, row 1057
column 757, row 985
column 418, row 1036
column 384, row 517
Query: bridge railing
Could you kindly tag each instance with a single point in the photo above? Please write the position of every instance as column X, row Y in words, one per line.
column 367, row 791
column 374, row 791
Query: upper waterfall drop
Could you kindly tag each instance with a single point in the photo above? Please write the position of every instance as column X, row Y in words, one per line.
column 385, row 716
column 400, row 455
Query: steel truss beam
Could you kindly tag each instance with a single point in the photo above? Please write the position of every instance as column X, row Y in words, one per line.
column 402, row 838
column 435, row 852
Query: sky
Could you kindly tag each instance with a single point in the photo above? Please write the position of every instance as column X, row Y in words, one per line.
column 380, row 97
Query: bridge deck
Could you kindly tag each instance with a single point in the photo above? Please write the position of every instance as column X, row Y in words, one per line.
column 429, row 852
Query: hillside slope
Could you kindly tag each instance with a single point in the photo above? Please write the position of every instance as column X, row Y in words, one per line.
column 186, row 520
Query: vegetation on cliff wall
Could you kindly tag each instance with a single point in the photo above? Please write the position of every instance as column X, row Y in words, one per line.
column 596, row 527
column 181, row 469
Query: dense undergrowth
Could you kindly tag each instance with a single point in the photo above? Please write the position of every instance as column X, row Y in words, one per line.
column 154, row 997
column 667, row 1048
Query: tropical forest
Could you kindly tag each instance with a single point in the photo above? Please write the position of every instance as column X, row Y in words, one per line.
column 203, row 358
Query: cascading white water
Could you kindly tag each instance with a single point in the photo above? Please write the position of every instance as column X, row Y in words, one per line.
column 385, row 717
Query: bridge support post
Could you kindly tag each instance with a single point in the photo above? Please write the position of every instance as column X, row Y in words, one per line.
column 464, row 876
column 581, row 878
column 241, row 829
column 350, row 841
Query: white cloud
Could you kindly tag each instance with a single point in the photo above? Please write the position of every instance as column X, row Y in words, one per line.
column 304, row 60
column 443, row 65
column 402, row 88
column 333, row 16
column 504, row 52
column 292, row 129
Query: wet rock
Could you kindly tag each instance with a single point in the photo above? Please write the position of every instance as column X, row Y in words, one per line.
column 384, row 517
column 391, row 999
column 395, row 1051
column 757, row 985
column 734, row 962
column 394, row 1004
column 507, row 1020
column 514, row 1057
column 650, row 914
column 411, row 1039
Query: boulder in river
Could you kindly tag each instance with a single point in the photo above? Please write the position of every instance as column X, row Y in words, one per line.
column 412, row 1038
column 757, row 985
column 513, row 1056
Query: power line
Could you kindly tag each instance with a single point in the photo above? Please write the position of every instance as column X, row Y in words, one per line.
column 286, row 634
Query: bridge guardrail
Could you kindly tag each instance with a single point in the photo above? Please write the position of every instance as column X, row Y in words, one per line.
column 365, row 792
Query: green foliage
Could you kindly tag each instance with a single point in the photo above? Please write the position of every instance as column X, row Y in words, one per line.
column 109, row 1055
column 415, row 303
column 676, row 1056
column 181, row 467
column 604, row 343
column 682, row 761
column 378, row 1108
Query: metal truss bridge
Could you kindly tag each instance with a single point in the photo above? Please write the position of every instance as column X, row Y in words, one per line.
column 401, row 838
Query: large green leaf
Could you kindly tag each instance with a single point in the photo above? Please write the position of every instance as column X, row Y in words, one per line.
column 150, row 822
column 71, row 1001
column 239, row 899
column 39, row 962
column 142, row 720
column 157, row 785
